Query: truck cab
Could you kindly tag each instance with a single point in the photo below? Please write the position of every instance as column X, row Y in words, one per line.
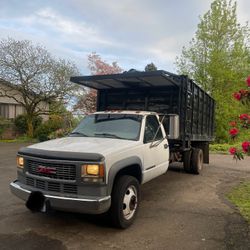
column 98, row 167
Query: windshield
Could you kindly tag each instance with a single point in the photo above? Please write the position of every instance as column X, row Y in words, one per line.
column 118, row 126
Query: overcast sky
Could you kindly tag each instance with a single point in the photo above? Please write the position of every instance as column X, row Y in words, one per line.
column 133, row 33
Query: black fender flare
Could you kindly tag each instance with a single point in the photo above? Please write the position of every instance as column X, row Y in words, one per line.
column 119, row 165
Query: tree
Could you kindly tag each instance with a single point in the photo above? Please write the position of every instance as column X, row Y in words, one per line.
column 150, row 67
column 87, row 103
column 218, row 58
column 37, row 76
column 97, row 66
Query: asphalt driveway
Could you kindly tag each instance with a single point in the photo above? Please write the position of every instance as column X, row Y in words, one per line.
column 178, row 211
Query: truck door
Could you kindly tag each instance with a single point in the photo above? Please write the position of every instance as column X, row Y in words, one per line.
column 155, row 149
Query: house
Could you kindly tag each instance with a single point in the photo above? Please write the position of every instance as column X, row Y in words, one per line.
column 10, row 108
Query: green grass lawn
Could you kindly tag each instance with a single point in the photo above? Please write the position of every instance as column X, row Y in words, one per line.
column 21, row 139
column 240, row 197
column 223, row 148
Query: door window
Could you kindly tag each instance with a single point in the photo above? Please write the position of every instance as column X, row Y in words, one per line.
column 152, row 125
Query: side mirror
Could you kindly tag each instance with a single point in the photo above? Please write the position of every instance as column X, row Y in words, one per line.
column 174, row 126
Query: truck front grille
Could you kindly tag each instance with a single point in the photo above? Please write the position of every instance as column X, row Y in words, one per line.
column 52, row 186
column 52, row 170
column 69, row 188
column 40, row 184
column 30, row 181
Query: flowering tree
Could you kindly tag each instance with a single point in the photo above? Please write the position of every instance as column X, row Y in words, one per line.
column 97, row 66
column 87, row 103
column 242, row 96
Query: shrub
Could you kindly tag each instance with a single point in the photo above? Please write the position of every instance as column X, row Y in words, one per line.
column 59, row 133
column 75, row 121
column 21, row 123
column 55, row 122
column 57, row 126
column 4, row 124
column 43, row 131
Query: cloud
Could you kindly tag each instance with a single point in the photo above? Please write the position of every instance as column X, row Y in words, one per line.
column 131, row 32
column 243, row 7
column 63, row 36
column 71, row 30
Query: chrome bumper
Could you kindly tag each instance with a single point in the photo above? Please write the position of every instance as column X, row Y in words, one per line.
column 71, row 204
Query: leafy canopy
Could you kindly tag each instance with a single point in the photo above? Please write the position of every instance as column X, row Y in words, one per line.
column 218, row 58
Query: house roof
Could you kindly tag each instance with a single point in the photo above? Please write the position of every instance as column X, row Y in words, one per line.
column 5, row 82
column 15, row 86
column 9, row 84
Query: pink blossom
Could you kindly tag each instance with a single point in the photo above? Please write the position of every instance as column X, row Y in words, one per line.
column 244, row 117
column 233, row 132
column 243, row 92
column 246, row 146
column 233, row 123
column 232, row 150
column 237, row 96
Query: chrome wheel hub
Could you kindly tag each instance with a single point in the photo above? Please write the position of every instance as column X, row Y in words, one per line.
column 129, row 202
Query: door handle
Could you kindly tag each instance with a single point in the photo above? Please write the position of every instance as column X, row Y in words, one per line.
column 166, row 146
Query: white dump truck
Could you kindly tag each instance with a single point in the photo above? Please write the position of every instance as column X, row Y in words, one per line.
column 100, row 166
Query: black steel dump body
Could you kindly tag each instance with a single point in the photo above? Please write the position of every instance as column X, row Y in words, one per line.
column 157, row 91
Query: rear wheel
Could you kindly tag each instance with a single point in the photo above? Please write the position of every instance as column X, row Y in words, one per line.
column 187, row 160
column 197, row 161
column 125, row 201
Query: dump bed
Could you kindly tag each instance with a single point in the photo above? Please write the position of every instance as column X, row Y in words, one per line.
column 157, row 91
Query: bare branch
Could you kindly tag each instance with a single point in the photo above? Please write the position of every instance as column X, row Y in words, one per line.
column 34, row 74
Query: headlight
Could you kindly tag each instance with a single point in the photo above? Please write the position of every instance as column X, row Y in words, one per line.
column 92, row 172
column 20, row 162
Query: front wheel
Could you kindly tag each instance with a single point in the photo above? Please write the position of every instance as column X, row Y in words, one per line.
column 125, row 201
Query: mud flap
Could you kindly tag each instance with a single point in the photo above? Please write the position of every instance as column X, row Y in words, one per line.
column 37, row 202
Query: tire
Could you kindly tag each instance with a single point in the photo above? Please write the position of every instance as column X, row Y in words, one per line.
column 197, row 161
column 187, row 157
column 125, row 201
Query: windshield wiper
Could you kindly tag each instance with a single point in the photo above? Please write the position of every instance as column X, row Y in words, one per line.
column 78, row 133
column 109, row 135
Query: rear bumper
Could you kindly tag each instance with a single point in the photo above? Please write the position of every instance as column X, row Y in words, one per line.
column 96, row 205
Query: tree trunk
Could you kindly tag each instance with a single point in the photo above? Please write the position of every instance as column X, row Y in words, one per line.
column 30, row 131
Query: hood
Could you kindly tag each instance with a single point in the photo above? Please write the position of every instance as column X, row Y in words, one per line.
column 103, row 146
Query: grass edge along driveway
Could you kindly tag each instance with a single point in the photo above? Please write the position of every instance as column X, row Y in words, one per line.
column 240, row 197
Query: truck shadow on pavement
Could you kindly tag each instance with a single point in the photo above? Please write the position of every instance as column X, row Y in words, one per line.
column 176, row 167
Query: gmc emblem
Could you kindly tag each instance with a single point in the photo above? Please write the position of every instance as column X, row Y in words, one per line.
column 46, row 170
